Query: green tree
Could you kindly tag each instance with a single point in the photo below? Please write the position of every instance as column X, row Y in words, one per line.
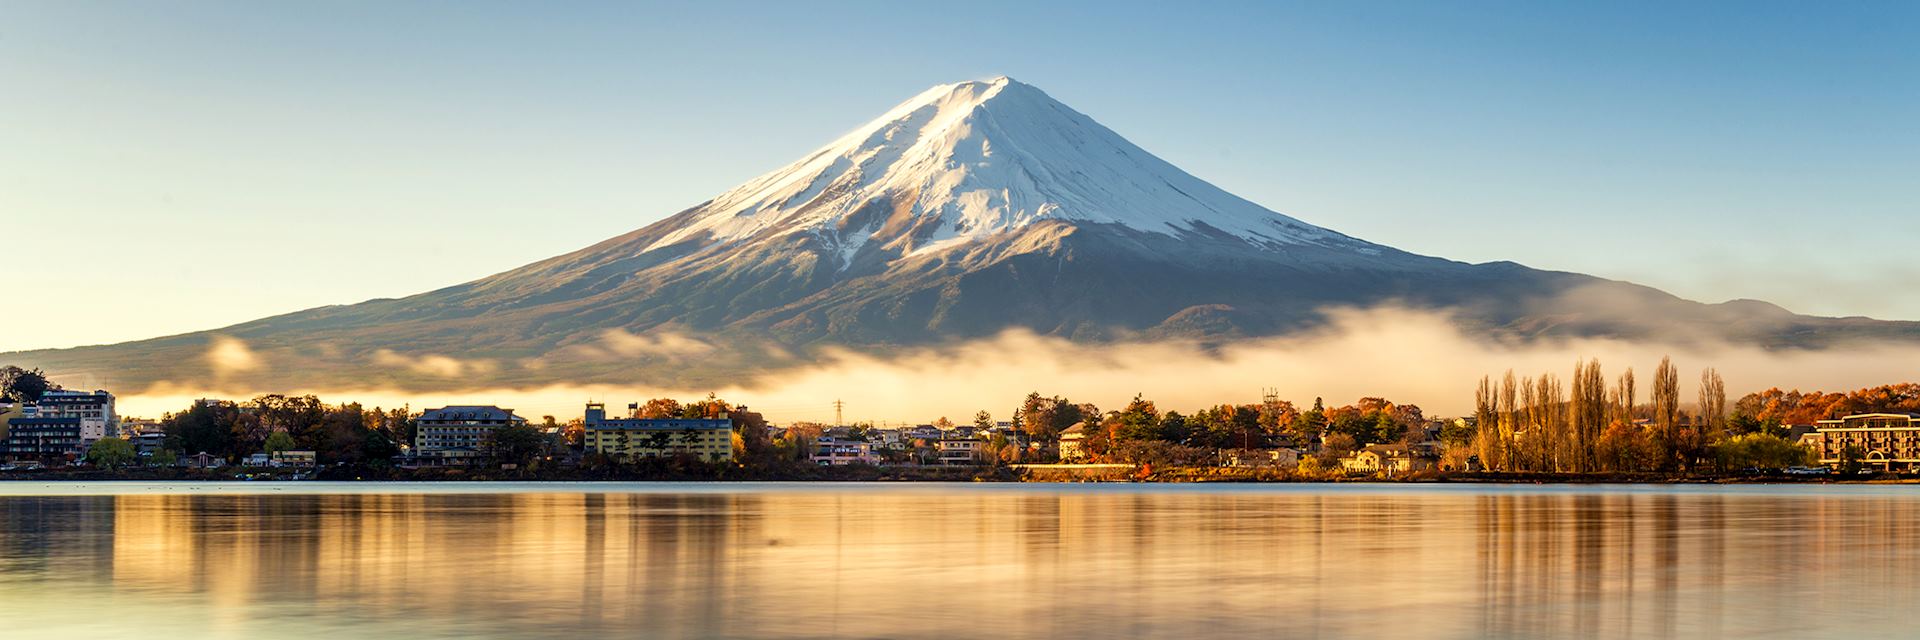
column 111, row 453
column 514, row 444
column 205, row 426
column 163, row 458
column 1309, row 426
column 1140, row 421
column 377, row 448
column 1759, row 450
column 279, row 441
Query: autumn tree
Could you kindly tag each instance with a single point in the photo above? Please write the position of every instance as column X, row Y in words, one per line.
column 1713, row 402
column 1043, row 418
column 1666, row 409
column 659, row 408
column 1486, row 434
column 1587, row 412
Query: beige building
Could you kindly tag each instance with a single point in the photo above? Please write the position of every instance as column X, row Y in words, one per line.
column 961, row 447
column 1889, row 441
column 1282, row 457
column 626, row 439
column 1073, row 443
column 458, row 435
column 1391, row 459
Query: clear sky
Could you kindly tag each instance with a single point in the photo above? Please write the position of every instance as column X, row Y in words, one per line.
column 197, row 164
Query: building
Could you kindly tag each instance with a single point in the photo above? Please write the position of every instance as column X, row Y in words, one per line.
column 148, row 443
column 887, row 439
column 1888, row 441
column 94, row 409
column 294, row 458
column 839, row 451
column 1073, row 443
column 458, row 435
column 1390, row 459
column 36, row 438
column 1282, row 457
column 960, row 447
column 925, row 432
column 626, row 439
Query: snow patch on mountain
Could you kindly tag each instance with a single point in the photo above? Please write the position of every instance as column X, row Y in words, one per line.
column 970, row 160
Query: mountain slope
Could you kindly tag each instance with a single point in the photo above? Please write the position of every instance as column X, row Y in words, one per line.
column 970, row 209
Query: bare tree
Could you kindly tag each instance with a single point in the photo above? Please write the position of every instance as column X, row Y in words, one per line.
column 1509, row 417
column 1587, row 413
column 1713, row 403
column 1486, row 433
column 1666, row 408
column 1624, row 400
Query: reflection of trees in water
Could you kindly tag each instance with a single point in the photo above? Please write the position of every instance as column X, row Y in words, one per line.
column 996, row 562
column 1687, row 564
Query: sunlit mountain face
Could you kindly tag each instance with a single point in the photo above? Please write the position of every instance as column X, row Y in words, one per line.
column 969, row 210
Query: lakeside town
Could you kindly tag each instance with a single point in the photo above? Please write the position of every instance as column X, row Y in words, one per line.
column 1523, row 428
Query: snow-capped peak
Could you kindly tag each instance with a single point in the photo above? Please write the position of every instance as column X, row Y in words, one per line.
column 974, row 159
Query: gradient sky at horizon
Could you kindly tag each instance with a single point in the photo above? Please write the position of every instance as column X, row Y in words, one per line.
column 199, row 164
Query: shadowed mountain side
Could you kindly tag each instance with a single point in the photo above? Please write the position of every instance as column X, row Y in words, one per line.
column 697, row 320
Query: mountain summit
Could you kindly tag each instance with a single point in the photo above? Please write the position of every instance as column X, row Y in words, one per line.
column 972, row 160
column 971, row 209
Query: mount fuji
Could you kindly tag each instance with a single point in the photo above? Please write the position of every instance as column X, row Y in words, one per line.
column 971, row 209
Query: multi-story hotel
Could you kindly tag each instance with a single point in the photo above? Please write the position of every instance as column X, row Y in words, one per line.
column 458, row 435
column 625, row 439
column 61, row 426
column 1890, row 441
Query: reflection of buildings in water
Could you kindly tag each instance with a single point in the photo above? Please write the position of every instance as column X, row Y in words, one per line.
column 71, row 537
column 993, row 562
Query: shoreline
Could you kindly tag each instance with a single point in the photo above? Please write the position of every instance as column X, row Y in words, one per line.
column 909, row 475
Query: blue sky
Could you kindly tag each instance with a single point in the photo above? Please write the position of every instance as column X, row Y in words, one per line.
column 205, row 163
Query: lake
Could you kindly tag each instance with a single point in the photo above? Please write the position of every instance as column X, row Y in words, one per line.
column 773, row 560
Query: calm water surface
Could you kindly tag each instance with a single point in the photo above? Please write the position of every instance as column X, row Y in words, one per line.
column 664, row 560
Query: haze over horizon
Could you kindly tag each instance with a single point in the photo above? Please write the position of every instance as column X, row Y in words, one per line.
column 250, row 160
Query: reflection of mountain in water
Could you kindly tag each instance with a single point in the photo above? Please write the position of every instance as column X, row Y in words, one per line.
column 946, row 563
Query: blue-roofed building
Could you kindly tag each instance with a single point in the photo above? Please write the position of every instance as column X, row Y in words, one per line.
column 625, row 439
column 457, row 435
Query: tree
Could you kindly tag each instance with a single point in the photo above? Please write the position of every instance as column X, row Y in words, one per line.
column 111, row 453
column 983, row 419
column 279, row 442
column 23, row 385
column 205, row 426
column 163, row 458
column 1666, row 410
column 377, row 448
column 1308, row 427
column 1486, row 432
column 1759, row 450
column 1043, row 418
column 660, row 408
column 1335, row 447
column 514, row 444
column 751, row 429
column 1139, row 421
column 1713, row 402
column 1587, row 413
